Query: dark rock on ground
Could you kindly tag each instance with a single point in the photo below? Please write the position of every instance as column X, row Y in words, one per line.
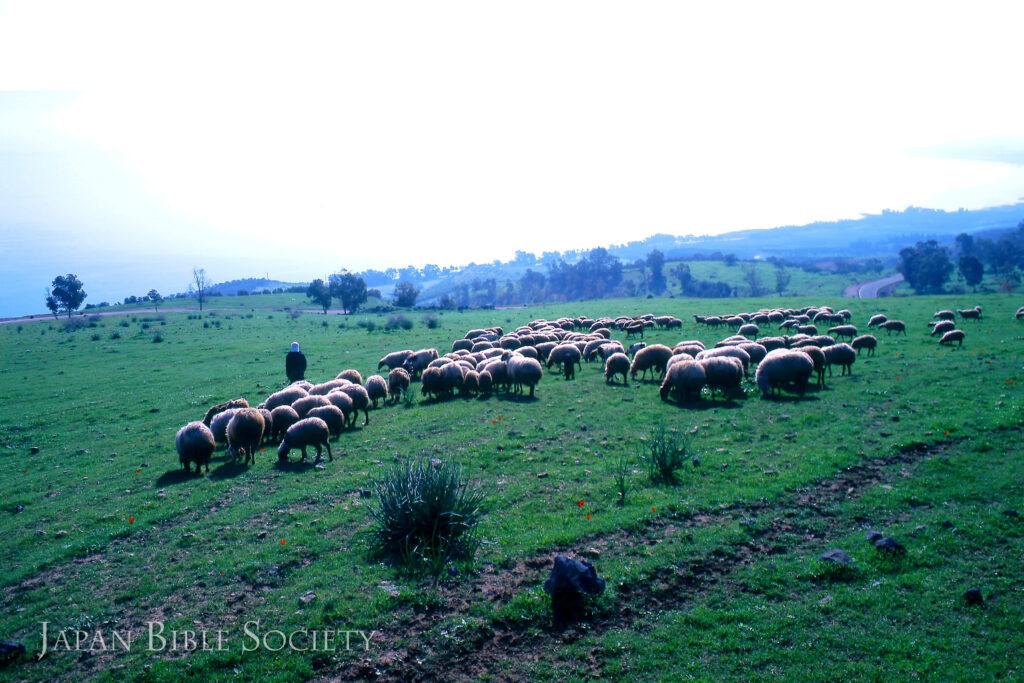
column 889, row 545
column 873, row 535
column 835, row 556
column 568, row 582
column 10, row 652
column 973, row 596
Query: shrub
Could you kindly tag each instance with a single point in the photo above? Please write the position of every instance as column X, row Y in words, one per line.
column 622, row 468
column 426, row 514
column 73, row 324
column 665, row 456
column 431, row 322
column 398, row 321
column 95, row 336
column 123, row 323
column 323, row 324
column 115, row 335
column 369, row 325
column 294, row 314
column 157, row 338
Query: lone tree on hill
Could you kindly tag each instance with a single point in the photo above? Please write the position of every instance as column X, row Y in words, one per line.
column 66, row 294
column 350, row 288
column 200, row 283
column 926, row 266
column 972, row 269
column 155, row 298
column 405, row 294
column 320, row 294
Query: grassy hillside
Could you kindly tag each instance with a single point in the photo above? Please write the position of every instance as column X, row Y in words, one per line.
column 715, row 578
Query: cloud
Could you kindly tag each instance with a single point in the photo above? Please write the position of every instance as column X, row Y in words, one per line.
column 999, row 150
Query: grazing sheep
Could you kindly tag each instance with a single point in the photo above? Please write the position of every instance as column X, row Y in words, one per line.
column 617, row 364
column 377, row 388
column 685, row 379
column 285, row 397
column 327, row 387
column 418, row 362
column 842, row 355
column 332, row 416
column 817, row 357
column 843, row 331
column 754, row 350
column 784, row 368
column 723, row 373
column 484, row 383
column 221, row 407
column 268, row 425
column 750, row 329
column 733, row 351
column 654, row 358
column 942, row 327
column 865, row 341
column 944, row 315
column 351, row 375
column 432, row 383
column 343, row 402
column 219, row 424
column 303, row 384
column 895, row 325
column 563, row 353
column 452, row 376
column 394, row 359
column 398, row 383
column 311, row 431
column 195, row 444
column 470, row 383
column 609, row 349
column 307, row 403
column 970, row 313
column 807, row 329
column 244, row 433
column 523, row 371
column 953, row 336
column 633, row 348
column 282, row 417
column 877, row 320
column 498, row 369
column 772, row 343
column 465, row 344
column 1020, row 313
column 360, row 401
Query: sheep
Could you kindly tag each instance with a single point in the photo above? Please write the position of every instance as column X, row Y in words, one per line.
column 303, row 384
column 470, row 383
column 654, row 357
column 351, row 375
column 609, row 349
column 783, row 368
column 462, row 344
column 734, row 351
column 807, row 329
column 398, row 383
column 944, row 315
column 616, row 364
column 897, row 325
column 817, row 357
column 840, row 354
column 865, row 341
column 524, row 371
column 498, row 370
column 529, row 352
column 953, row 336
column 754, row 350
column 634, row 328
column 221, row 407
column 451, row 377
column 431, row 383
column 772, row 343
column 685, row 379
column 633, row 348
column 285, row 397
column 343, row 402
column 418, row 362
column 194, row 443
column 268, row 424
column 750, row 329
column 942, row 327
column 395, row 359
column 377, row 388
column 312, row 431
column 307, row 403
column 219, row 424
column 327, row 387
column 484, row 383
column 970, row 313
column 676, row 358
column 564, row 353
column 877, row 320
column 244, row 433
column 332, row 416
column 360, row 401
column 1020, row 313
column 724, row 373
column 282, row 417
column 843, row 331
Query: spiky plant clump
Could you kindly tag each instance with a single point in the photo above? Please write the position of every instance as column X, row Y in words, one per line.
column 665, row 455
column 426, row 514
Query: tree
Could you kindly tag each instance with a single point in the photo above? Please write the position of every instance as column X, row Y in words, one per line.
column 405, row 294
column 350, row 288
column 154, row 296
column 320, row 294
column 67, row 294
column 782, row 278
column 656, row 281
column 965, row 243
column 682, row 273
column 753, row 280
column 925, row 266
column 200, row 283
column 971, row 269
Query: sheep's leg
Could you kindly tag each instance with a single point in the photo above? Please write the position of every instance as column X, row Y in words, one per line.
column 329, row 455
column 303, row 452
column 531, row 390
column 367, row 412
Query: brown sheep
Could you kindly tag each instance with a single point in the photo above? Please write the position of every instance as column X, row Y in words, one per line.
column 376, row 388
column 245, row 430
column 194, row 443
column 311, row 431
column 654, row 357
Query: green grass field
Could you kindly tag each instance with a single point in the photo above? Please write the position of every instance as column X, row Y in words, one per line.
column 715, row 578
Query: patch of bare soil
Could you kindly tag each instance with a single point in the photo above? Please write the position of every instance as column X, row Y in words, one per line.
column 489, row 650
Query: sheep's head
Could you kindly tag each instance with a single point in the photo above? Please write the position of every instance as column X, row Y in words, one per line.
column 282, row 450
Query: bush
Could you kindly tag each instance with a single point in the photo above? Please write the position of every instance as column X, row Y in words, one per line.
column 426, row 514
column 115, row 335
column 665, row 456
column 157, row 338
column 398, row 321
column 95, row 336
column 123, row 323
column 369, row 325
column 431, row 322
column 73, row 324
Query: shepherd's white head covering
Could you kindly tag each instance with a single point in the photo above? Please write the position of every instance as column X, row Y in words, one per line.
column 295, row 346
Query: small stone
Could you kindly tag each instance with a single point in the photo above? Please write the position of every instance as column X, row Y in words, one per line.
column 20, row 507
column 365, row 493
column 541, row 475
column 40, row 533
column 921, row 527
column 696, row 461
column 946, row 524
column 889, row 545
column 34, row 450
column 835, row 556
column 62, row 532
column 825, row 600
column 307, row 598
column 436, row 462
column 871, row 535
column 592, row 552
column 1010, row 513
column 973, row 596
column 261, row 534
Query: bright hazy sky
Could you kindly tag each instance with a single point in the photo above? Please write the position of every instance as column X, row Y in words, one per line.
column 138, row 139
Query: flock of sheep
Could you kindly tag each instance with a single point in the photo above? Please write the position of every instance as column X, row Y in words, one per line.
column 488, row 360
